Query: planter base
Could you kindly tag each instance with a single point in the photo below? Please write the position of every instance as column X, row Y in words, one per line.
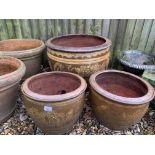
column 8, row 116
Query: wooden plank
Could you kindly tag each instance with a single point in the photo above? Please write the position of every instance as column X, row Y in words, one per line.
column 50, row 28
column 10, row 28
column 57, row 28
column 105, row 27
column 120, row 36
column 17, row 27
column 93, row 28
column 53, row 26
column 98, row 25
column 72, row 26
column 35, row 28
column 153, row 50
column 131, row 34
column 136, row 34
column 88, row 25
column 118, row 42
column 145, row 34
column 42, row 29
column 151, row 39
column 3, row 30
column 64, row 26
column 79, row 26
column 26, row 29
column 128, row 34
column 112, row 35
column 113, row 32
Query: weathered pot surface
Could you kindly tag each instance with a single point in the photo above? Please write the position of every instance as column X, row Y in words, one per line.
column 11, row 72
column 149, row 75
column 81, row 53
column 54, row 100
column 136, row 62
column 119, row 99
column 27, row 50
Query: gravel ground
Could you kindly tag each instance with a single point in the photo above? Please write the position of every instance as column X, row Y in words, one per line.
column 21, row 124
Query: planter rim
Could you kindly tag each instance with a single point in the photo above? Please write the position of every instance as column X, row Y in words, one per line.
column 135, row 66
column 78, row 49
column 23, row 53
column 53, row 98
column 9, row 78
column 122, row 100
column 148, row 75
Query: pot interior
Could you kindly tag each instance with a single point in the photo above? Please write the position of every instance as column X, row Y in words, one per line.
column 19, row 45
column 77, row 41
column 122, row 84
column 54, row 83
column 7, row 66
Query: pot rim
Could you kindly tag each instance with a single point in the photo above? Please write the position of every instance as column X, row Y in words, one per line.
column 135, row 66
column 122, row 100
column 78, row 49
column 36, row 50
column 53, row 98
column 13, row 76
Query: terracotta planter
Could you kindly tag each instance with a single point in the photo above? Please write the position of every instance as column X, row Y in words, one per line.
column 27, row 50
column 119, row 99
column 11, row 72
column 80, row 54
column 54, row 100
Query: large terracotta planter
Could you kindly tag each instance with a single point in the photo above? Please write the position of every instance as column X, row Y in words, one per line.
column 54, row 100
column 80, row 54
column 11, row 72
column 27, row 50
column 119, row 99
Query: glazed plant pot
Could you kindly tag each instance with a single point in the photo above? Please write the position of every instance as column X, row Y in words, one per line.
column 54, row 100
column 11, row 72
column 119, row 99
column 150, row 77
column 81, row 54
column 27, row 50
column 136, row 62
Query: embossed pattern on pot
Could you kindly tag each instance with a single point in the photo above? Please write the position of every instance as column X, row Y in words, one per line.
column 80, row 54
column 119, row 109
column 54, row 100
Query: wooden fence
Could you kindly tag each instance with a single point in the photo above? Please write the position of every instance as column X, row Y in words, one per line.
column 124, row 34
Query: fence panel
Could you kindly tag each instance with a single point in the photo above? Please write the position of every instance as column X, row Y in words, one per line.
column 125, row 34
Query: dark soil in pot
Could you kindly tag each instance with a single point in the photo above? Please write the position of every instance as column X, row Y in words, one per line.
column 122, row 85
column 54, row 85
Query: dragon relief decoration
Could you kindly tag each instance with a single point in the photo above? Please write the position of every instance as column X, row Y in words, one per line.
column 84, row 70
